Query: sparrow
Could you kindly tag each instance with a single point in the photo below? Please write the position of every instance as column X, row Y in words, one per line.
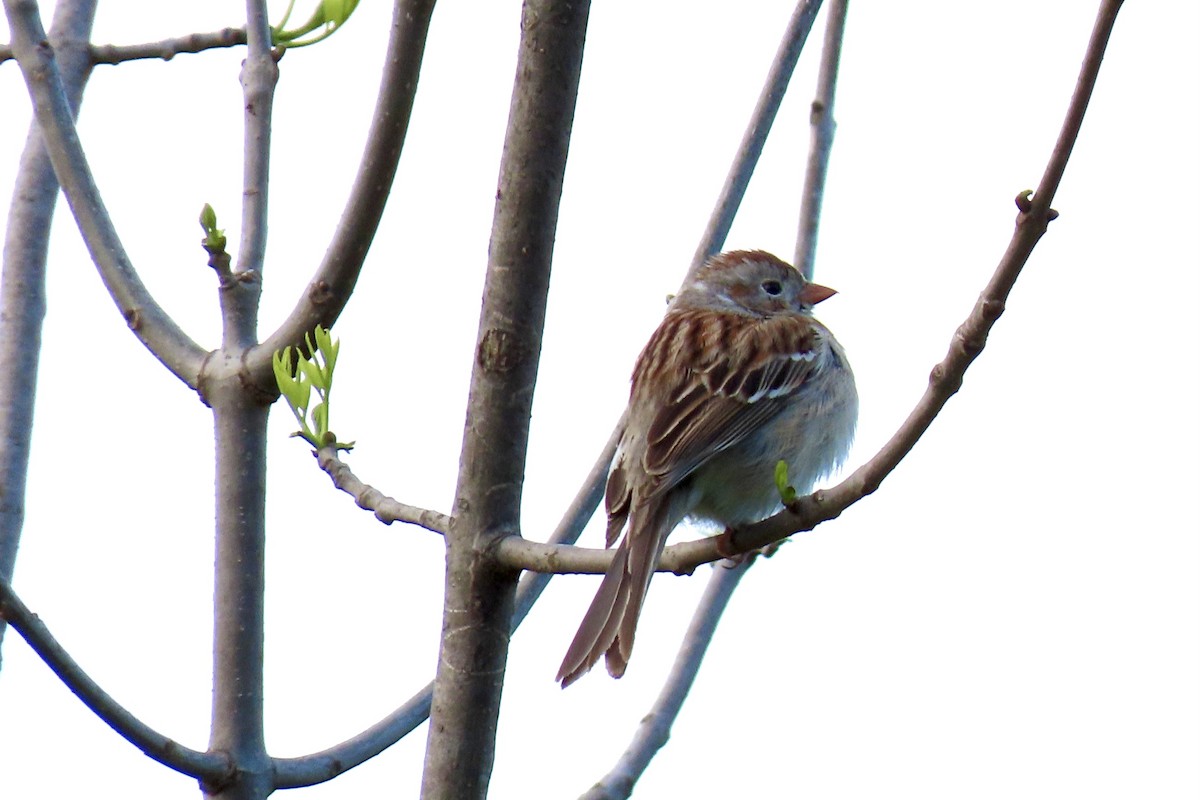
column 737, row 377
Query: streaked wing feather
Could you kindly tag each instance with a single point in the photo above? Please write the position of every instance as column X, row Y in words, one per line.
column 734, row 385
column 617, row 497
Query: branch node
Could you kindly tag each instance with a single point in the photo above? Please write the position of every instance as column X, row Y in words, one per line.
column 319, row 292
column 991, row 308
column 971, row 340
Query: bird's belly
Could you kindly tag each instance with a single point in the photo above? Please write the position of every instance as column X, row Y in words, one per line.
column 737, row 486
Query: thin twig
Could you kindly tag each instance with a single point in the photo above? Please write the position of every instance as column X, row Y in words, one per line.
column 654, row 729
column 167, row 48
column 318, row 767
column 153, row 327
column 260, row 73
column 387, row 509
column 755, row 136
column 168, row 752
column 823, row 126
column 1034, row 214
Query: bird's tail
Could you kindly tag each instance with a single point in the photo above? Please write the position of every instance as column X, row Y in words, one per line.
column 610, row 622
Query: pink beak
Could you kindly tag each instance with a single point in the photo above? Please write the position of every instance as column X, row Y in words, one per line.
column 814, row 293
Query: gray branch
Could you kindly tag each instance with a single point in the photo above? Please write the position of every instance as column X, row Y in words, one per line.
column 165, row 49
column 319, row 767
column 479, row 602
column 654, row 729
column 166, row 751
column 334, row 281
column 168, row 48
column 240, row 432
column 756, row 132
column 240, row 296
column 821, row 145
column 23, row 283
column 387, row 509
column 293, row 773
column 52, row 113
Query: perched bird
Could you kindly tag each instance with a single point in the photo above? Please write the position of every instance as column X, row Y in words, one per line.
column 738, row 377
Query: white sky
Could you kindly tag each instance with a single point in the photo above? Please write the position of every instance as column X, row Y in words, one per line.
column 1014, row 614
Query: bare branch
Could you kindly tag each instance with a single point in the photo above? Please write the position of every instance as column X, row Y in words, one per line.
column 319, row 767
column 571, row 525
column 168, row 752
column 240, row 434
column 23, row 282
column 1084, row 86
column 167, row 48
column 756, row 132
column 292, row 773
column 654, row 729
column 479, row 601
column 387, row 510
column 331, row 286
column 1034, row 214
column 240, row 296
column 157, row 331
column 821, row 145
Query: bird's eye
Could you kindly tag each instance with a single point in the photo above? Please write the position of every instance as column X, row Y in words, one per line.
column 772, row 287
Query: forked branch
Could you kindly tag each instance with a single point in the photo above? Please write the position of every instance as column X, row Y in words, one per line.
column 152, row 326
column 208, row 767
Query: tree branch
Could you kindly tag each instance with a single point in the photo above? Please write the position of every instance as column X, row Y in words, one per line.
column 293, row 773
column 157, row 331
column 334, row 281
column 479, row 603
column 167, row 48
column 319, row 767
column 23, row 282
column 1034, row 214
column 571, row 525
column 240, row 296
column 821, row 145
column 756, row 132
column 654, row 729
column 240, row 432
column 240, row 412
column 168, row 752
column 387, row 509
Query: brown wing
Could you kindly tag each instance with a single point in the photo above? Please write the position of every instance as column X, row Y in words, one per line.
column 738, row 373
